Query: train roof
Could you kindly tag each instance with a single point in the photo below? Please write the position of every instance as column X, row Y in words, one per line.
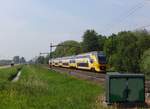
column 94, row 52
column 69, row 57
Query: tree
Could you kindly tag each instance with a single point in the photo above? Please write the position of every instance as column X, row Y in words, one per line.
column 40, row 60
column 90, row 41
column 125, row 49
column 47, row 59
column 16, row 59
column 101, row 40
column 145, row 62
column 128, row 52
column 22, row 60
column 143, row 42
column 67, row 48
column 110, row 48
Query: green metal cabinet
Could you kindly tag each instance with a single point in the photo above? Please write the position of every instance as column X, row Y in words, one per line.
column 125, row 88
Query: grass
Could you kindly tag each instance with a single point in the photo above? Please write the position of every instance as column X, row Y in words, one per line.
column 39, row 88
column 6, row 74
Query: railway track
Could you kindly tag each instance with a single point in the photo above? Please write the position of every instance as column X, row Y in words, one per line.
column 87, row 75
column 98, row 78
column 93, row 76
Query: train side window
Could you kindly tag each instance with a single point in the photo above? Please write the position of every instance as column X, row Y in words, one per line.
column 91, row 60
column 72, row 61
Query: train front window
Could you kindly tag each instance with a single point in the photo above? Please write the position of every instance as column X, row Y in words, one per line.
column 102, row 59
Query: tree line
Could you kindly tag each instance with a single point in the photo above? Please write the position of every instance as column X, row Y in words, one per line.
column 15, row 60
column 126, row 51
column 19, row 60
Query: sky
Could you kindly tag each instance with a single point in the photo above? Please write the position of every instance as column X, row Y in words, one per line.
column 27, row 27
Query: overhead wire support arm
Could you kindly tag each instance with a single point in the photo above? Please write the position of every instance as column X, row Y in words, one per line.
column 43, row 53
column 51, row 48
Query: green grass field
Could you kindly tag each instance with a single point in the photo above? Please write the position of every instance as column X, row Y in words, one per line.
column 6, row 74
column 39, row 88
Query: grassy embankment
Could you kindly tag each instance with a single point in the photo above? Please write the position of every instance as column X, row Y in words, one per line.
column 39, row 88
column 6, row 75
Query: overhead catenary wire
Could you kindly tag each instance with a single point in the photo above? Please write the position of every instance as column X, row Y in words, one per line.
column 143, row 27
column 124, row 16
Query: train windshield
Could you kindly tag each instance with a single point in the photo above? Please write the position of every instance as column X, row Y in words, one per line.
column 102, row 59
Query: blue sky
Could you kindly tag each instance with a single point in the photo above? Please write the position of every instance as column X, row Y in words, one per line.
column 28, row 26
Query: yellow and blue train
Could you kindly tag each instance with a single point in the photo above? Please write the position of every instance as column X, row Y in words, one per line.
column 95, row 61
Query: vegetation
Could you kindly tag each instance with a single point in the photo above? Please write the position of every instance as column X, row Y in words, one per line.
column 5, row 62
column 39, row 88
column 6, row 76
column 145, row 63
column 68, row 47
column 125, row 51
column 41, row 60
column 90, row 41
column 18, row 59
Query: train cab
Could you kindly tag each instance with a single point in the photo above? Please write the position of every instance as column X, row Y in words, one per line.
column 100, row 64
column 95, row 61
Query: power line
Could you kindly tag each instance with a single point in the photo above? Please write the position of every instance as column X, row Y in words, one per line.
column 129, row 13
column 142, row 27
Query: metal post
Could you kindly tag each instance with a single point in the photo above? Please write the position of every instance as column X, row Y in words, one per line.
column 51, row 45
column 112, row 45
column 112, row 48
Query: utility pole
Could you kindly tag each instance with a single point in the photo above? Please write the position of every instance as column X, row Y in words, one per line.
column 112, row 44
column 112, row 48
column 50, row 57
column 51, row 48
column 43, row 53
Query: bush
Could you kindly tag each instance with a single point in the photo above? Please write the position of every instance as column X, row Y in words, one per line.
column 145, row 62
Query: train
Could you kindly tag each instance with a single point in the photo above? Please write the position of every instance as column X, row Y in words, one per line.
column 94, row 61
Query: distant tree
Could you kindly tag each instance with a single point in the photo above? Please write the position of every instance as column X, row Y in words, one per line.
column 16, row 59
column 101, row 40
column 40, row 60
column 30, row 62
column 5, row 62
column 47, row 59
column 125, row 49
column 22, row 60
column 90, row 41
column 145, row 62
column 110, row 48
column 143, row 42
column 67, row 48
